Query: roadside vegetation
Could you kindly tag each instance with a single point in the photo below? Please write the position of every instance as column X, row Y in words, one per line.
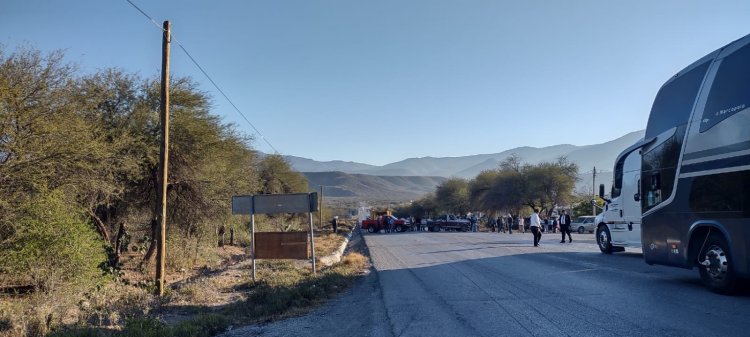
column 78, row 195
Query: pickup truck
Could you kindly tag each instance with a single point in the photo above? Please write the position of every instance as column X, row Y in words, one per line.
column 448, row 222
column 375, row 225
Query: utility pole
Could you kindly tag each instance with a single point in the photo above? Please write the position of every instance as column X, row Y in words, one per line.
column 593, row 204
column 163, row 159
column 320, row 208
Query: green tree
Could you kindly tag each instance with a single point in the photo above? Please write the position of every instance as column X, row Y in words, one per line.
column 44, row 143
column 514, row 185
column 277, row 176
column 452, row 196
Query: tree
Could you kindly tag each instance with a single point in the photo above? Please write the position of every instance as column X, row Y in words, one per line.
column 550, row 184
column 480, row 188
column 44, row 143
column 277, row 176
column 514, row 185
column 452, row 196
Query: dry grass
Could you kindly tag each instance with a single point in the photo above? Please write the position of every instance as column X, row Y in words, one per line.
column 356, row 261
column 326, row 242
column 284, row 290
column 194, row 296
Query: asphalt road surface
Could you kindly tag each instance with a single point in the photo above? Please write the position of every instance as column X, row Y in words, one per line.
column 495, row 284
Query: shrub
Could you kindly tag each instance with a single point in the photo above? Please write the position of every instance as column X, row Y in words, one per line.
column 52, row 246
column 145, row 327
column 201, row 326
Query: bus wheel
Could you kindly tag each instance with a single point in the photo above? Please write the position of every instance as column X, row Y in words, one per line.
column 371, row 229
column 715, row 266
column 603, row 239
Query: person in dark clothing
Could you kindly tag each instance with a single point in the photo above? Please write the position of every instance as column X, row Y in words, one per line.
column 335, row 224
column 565, row 227
column 510, row 224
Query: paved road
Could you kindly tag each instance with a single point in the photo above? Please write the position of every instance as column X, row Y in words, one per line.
column 490, row 284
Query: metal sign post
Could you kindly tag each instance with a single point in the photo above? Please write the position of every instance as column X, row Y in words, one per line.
column 252, row 241
column 312, row 243
column 272, row 204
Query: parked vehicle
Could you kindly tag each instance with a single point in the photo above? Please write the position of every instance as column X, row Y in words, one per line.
column 583, row 224
column 619, row 226
column 448, row 222
column 695, row 169
column 379, row 220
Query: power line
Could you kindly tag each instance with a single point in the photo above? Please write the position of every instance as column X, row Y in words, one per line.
column 225, row 96
column 208, row 77
column 146, row 15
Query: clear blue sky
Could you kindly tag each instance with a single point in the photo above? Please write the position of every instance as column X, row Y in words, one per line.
column 381, row 81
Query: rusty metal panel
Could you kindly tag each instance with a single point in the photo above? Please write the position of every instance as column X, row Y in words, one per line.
column 282, row 245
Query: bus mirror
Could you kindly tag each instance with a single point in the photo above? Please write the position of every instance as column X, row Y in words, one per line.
column 637, row 197
column 601, row 191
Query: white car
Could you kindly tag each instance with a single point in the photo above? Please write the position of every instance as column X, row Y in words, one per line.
column 583, row 224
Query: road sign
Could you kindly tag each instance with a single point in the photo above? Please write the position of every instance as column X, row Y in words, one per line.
column 284, row 203
column 242, row 204
column 282, row 245
column 279, row 245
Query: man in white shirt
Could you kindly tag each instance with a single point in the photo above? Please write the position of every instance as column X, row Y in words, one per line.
column 536, row 226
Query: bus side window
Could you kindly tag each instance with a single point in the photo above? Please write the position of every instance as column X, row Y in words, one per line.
column 653, row 197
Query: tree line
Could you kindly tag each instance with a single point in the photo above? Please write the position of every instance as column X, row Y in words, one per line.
column 79, row 169
column 514, row 187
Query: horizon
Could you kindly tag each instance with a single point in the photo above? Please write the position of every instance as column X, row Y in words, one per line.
column 375, row 82
column 471, row 155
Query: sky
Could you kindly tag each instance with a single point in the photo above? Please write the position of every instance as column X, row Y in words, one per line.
column 381, row 81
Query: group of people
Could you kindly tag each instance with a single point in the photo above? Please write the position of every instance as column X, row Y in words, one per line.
column 502, row 224
column 535, row 222
column 536, row 225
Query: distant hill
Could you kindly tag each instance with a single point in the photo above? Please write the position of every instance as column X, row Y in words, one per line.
column 600, row 155
column 308, row 165
column 364, row 186
column 414, row 177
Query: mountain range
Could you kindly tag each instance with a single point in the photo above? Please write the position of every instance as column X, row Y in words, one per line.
column 416, row 176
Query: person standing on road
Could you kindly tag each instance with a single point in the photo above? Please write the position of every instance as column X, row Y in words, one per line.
column 510, row 223
column 500, row 224
column 520, row 224
column 473, row 221
column 335, row 224
column 536, row 226
column 565, row 227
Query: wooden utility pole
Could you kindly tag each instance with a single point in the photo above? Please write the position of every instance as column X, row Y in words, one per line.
column 593, row 204
column 164, row 160
column 320, row 208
